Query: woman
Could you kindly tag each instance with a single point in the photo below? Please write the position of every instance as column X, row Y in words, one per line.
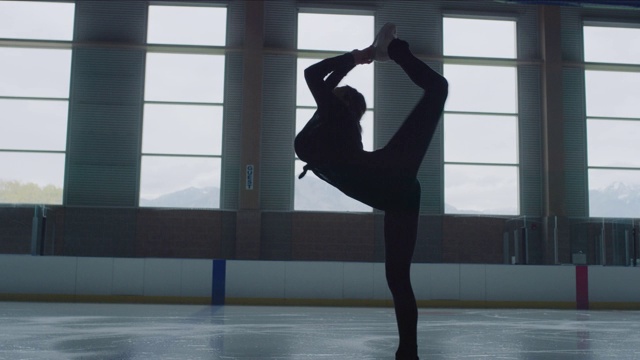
column 386, row 178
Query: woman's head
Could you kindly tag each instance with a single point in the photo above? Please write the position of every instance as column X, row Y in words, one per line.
column 353, row 99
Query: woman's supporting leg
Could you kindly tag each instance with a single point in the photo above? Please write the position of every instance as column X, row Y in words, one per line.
column 400, row 227
column 400, row 232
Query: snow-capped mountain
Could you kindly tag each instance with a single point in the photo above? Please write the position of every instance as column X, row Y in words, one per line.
column 198, row 198
column 616, row 200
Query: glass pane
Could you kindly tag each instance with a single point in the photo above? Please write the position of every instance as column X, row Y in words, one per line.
column 477, row 189
column 33, row 125
column 35, row 72
column 313, row 194
column 613, row 143
column 184, row 77
column 481, row 38
column 611, row 44
column 612, row 93
column 614, row 193
column 36, row 20
column 360, row 78
column 367, row 130
column 345, row 33
column 481, row 88
column 31, row 178
column 481, row 138
column 304, row 115
column 180, row 182
column 188, row 25
column 182, row 129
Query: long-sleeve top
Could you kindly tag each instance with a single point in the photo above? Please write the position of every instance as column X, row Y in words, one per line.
column 333, row 134
column 331, row 144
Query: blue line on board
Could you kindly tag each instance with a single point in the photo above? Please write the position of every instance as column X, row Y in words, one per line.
column 218, row 282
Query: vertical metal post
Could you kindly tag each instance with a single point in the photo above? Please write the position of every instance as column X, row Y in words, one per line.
column 603, row 248
column 525, row 241
column 636, row 245
column 516, row 248
column 36, row 230
column 505, row 247
column 525, row 246
column 627, row 259
column 43, row 231
column 555, row 240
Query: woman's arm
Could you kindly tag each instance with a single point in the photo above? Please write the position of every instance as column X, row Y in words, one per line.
column 337, row 68
column 315, row 74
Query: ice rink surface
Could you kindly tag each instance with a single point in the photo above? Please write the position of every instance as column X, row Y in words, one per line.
column 120, row 331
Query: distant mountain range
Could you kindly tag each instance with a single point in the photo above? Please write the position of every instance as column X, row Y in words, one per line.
column 617, row 200
column 197, row 198
column 306, row 197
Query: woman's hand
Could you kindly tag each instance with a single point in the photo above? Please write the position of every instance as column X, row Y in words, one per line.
column 364, row 56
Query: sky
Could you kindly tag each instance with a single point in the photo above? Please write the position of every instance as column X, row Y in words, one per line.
column 25, row 74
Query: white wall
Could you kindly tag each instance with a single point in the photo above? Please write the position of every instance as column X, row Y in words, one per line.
column 290, row 281
column 22, row 274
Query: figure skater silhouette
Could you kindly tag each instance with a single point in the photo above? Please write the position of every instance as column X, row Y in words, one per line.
column 386, row 179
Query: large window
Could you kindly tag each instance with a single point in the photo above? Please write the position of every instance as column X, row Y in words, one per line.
column 612, row 83
column 481, row 117
column 347, row 32
column 184, row 96
column 34, row 99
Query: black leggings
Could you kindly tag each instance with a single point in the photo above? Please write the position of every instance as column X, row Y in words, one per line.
column 387, row 179
column 404, row 153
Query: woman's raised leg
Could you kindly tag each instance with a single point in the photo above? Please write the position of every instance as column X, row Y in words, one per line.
column 409, row 144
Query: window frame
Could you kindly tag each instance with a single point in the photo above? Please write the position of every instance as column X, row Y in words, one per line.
column 492, row 62
column 45, row 44
column 185, row 49
column 604, row 67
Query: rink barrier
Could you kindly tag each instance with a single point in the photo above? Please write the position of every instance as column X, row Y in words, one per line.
column 301, row 283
